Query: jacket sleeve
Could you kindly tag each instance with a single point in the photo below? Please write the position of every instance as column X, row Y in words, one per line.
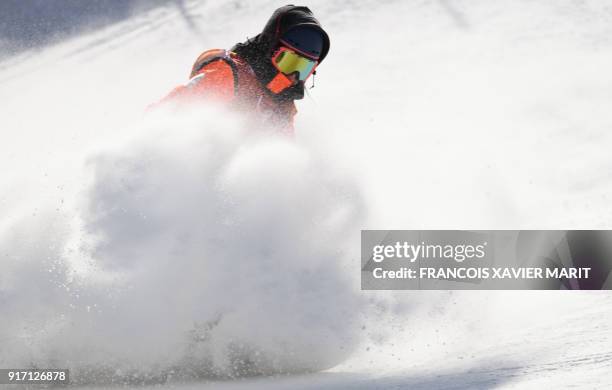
column 215, row 80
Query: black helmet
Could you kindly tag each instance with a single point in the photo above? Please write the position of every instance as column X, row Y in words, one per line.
column 288, row 18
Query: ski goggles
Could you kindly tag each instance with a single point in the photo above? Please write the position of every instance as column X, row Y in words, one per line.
column 289, row 61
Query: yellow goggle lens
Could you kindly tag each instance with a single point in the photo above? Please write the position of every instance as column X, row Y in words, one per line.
column 290, row 62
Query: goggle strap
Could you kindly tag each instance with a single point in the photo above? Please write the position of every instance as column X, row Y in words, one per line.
column 309, row 56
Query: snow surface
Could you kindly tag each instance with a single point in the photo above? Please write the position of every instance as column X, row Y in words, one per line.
column 120, row 231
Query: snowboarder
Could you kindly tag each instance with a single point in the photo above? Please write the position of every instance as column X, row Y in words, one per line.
column 264, row 75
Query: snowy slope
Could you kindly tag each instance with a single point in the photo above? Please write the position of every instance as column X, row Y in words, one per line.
column 428, row 114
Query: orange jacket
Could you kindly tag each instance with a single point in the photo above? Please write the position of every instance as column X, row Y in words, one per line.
column 223, row 76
